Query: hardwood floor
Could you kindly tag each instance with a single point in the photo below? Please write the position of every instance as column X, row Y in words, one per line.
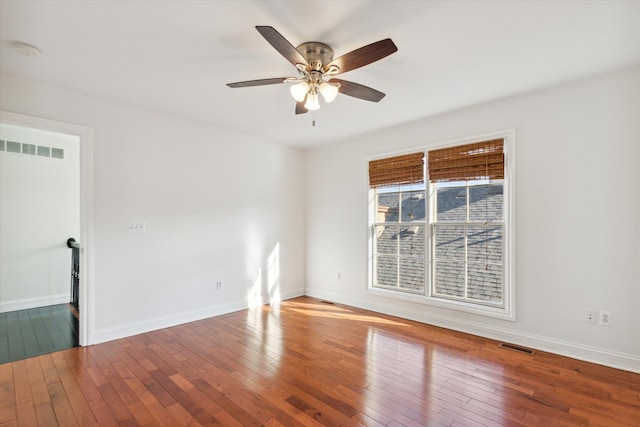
column 310, row 363
column 35, row 331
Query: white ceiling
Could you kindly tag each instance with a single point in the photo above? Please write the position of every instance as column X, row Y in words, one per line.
column 176, row 56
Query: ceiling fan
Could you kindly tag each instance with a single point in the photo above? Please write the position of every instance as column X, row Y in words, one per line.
column 316, row 68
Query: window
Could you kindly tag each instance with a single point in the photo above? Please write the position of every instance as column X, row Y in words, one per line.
column 399, row 222
column 441, row 233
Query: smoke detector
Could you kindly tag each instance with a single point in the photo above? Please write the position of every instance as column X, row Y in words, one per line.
column 26, row 49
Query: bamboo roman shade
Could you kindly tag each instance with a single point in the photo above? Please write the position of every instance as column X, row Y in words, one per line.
column 399, row 170
column 481, row 160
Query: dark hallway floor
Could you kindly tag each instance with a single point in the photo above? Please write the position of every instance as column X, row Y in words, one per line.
column 28, row 333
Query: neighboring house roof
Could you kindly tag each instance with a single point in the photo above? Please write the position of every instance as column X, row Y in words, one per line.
column 484, row 242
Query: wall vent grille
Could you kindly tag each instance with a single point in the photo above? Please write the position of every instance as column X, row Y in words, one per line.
column 31, row 149
column 517, row 348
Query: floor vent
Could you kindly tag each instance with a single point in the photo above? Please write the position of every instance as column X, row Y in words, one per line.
column 517, row 348
column 327, row 302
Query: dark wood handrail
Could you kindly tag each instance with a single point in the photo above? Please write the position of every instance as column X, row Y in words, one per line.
column 75, row 273
column 71, row 243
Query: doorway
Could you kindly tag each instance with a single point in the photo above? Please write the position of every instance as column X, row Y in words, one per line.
column 37, row 219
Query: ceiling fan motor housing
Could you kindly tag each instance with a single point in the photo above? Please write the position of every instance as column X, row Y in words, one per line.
column 317, row 68
column 317, row 54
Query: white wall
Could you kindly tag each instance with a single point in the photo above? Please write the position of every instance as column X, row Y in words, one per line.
column 216, row 204
column 39, row 211
column 578, row 217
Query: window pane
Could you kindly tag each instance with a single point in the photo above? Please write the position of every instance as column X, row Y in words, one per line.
column 387, row 271
column 13, row 147
column 44, row 151
column 387, row 241
column 485, row 282
column 485, row 203
column 57, row 153
column 449, row 278
column 484, row 243
column 29, row 149
column 387, row 207
column 449, row 241
column 452, row 204
column 412, row 240
column 412, row 273
column 413, row 206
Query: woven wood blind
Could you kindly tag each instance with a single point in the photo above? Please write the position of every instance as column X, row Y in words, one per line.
column 481, row 160
column 399, row 170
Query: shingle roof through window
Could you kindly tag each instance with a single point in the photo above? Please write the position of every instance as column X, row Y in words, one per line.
column 484, row 242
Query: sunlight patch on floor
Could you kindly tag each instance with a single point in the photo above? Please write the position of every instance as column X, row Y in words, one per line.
column 332, row 313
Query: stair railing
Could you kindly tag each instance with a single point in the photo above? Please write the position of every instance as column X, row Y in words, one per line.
column 75, row 272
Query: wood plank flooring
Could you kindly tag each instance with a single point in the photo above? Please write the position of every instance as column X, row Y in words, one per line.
column 309, row 363
column 28, row 333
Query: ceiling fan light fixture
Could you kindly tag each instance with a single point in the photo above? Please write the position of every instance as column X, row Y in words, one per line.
column 316, row 67
column 299, row 91
column 312, row 101
column 329, row 91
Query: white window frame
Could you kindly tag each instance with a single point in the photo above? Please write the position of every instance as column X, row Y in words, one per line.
column 424, row 224
column 507, row 311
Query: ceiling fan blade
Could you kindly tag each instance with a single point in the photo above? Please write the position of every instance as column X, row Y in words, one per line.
column 260, row 82
column 359, row 91
column 300, row 108
column 363, row 56
column 281, row 44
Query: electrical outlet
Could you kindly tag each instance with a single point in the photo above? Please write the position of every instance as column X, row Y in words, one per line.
column 591, row 316
column 218, row 284
column 340, row 276
column 605, row 318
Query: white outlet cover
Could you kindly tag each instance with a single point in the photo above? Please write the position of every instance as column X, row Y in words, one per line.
column 604, row 318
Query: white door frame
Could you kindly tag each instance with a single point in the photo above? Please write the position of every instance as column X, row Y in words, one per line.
column 85, row 134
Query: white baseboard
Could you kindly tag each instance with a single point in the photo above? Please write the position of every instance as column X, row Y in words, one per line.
column 27, row 303
column 148, row 325
column 627, row 362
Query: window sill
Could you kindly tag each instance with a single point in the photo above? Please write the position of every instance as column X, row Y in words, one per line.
column 481, row 310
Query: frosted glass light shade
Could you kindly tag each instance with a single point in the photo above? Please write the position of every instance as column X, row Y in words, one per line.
column 328, row 91
column 312, row 101
column 299, row 91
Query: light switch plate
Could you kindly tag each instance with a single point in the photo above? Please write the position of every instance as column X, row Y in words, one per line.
column 137, row 227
